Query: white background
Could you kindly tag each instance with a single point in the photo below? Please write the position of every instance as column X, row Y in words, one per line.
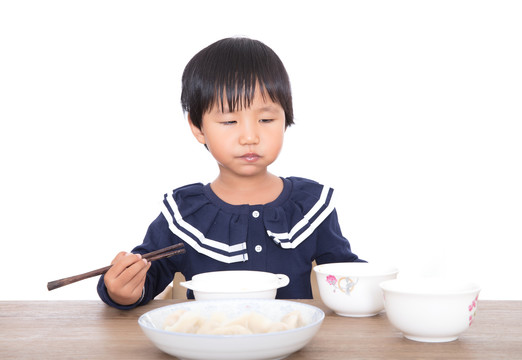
column 411, row 110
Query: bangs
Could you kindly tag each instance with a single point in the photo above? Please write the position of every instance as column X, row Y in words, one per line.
column 227, row 73
column 236, row 83
column 240, row 97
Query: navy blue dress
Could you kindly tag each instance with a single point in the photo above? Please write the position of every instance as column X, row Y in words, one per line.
column 281, row 237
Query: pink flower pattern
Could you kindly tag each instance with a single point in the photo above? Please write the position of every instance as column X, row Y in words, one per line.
column 472, row 308
column 330, row 279
column 345, row 284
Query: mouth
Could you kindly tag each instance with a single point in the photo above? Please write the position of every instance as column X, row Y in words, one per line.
column 250, row 157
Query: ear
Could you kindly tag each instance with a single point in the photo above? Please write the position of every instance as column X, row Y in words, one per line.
column 198, row 133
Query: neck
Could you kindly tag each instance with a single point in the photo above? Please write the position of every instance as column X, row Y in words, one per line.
column 251, row 190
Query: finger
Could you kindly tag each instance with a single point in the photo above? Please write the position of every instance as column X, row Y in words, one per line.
column 122, row 263
column 122, row 272
column 118, row 257
column 127, row 287
column 133, row 278
column 137, row 283
column 126, row 270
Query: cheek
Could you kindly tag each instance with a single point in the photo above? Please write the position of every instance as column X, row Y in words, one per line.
column 276, row 142
column 218, row 147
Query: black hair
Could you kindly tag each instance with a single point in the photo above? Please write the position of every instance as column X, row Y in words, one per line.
column 232, row 68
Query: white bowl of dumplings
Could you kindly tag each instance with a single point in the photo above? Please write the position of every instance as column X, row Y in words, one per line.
column 236, row 284
column 230, row 329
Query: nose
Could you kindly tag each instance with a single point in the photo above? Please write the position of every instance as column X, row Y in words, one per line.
column 249, row 134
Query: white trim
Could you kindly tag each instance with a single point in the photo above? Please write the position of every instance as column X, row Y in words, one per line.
column 198, row 248
column 208, row 242
column 293, row 244
column 194, row 244
column 307, row 217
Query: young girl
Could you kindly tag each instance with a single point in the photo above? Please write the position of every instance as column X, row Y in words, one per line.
column 237, row 95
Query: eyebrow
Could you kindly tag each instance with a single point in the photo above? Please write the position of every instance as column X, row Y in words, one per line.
column 265, row 108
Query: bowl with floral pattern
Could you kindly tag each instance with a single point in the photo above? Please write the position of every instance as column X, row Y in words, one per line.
column 432, row 309
column 352, row 289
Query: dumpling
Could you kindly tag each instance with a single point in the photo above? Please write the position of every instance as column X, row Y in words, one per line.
column 173, row 317
column 241, row 321
column 209, row 325
column 219, row 324
column 293, row 319
column 188, row 322
column 277, row 326
column 259, row 323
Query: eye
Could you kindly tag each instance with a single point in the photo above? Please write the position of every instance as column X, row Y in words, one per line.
column 230, row 122
column 266, row 121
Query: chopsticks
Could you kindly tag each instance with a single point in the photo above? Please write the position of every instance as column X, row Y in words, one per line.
column 154, row 255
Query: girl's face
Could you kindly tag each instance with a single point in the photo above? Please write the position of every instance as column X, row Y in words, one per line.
column 244, row 142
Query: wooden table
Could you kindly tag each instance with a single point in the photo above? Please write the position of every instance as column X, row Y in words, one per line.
column 92, row 330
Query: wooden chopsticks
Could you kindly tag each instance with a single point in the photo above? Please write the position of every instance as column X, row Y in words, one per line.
column 154, row 255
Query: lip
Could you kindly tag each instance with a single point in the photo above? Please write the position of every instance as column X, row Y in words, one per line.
column 250, row 157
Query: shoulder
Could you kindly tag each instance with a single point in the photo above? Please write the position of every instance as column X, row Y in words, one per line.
column 187, row 192
column 188, row 189
column 187, row 198
column 309, row 188
column 304, row 182
column 306, row 207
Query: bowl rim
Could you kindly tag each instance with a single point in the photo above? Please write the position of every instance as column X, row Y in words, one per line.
column 229, row 291
column 471, row 287
column 388, row 269
column 274, row 282
column 141, row 319
column 234, row 272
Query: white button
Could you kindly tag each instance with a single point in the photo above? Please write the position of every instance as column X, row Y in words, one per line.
column 255, row 214
column 258, row 248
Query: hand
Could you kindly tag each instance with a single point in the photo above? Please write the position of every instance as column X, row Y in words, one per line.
column 126, row 278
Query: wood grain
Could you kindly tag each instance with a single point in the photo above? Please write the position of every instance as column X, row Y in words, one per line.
column 92, row 330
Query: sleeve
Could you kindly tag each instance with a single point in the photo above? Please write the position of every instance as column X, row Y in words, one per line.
column 161, row 271
column 332, row 246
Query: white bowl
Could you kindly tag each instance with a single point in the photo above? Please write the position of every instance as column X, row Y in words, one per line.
column 236, row 284
column 274, row 345
column 430, row 309
column 352, row 289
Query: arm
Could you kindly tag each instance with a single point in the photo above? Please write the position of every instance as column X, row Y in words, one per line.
column 132, row 281
column 332, row 246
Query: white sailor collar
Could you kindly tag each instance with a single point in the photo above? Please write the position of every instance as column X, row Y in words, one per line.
column 219, row 230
